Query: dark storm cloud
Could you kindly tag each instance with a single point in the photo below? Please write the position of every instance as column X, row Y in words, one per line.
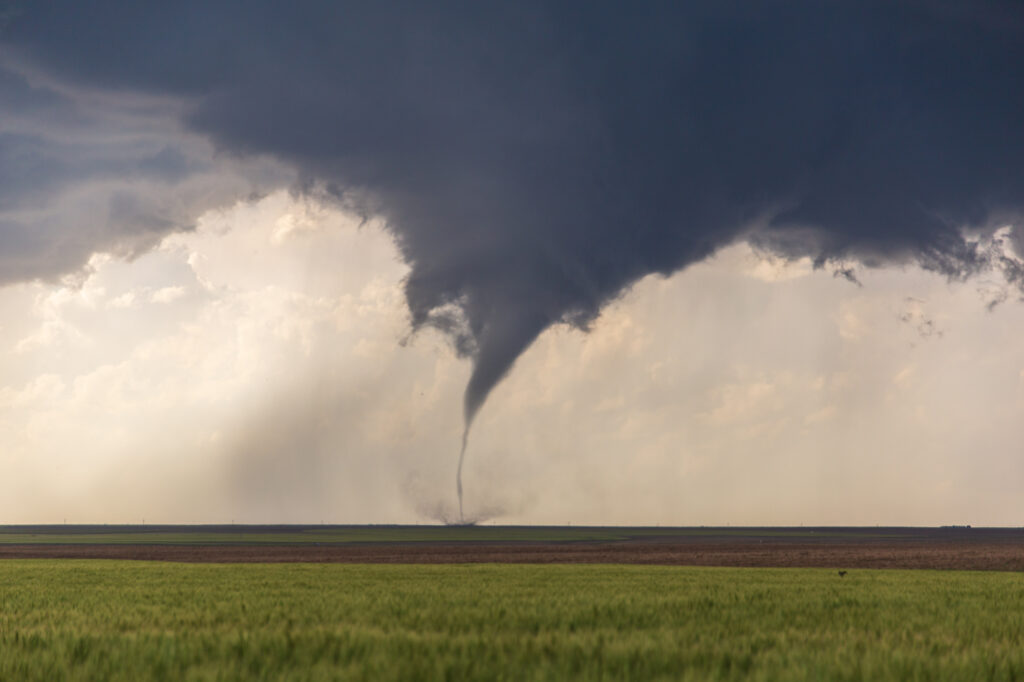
column 83, row 171
column 535, row 159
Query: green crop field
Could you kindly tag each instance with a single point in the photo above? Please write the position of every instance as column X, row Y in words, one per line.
column 106, row 620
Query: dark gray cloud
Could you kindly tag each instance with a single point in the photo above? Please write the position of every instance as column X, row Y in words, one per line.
column 83, row 171
column 535, row 159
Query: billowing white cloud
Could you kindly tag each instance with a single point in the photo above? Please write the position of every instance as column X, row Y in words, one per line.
column 167, row 294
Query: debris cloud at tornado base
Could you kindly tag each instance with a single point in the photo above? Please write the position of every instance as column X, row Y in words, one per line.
column 533, row 160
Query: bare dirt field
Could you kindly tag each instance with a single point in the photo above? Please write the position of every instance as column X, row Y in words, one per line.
column 978, row 549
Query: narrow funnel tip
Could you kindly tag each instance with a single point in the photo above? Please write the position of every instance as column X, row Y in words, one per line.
column 458, row 477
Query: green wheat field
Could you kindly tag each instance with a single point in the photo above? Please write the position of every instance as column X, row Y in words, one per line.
column 108, row 620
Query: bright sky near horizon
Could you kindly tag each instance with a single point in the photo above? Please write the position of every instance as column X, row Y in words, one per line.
column 259, row 370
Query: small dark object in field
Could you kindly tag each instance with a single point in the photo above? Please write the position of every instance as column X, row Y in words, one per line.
column 842, row 573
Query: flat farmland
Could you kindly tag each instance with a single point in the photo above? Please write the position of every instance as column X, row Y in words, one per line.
column 839, row 548
column 120, row 620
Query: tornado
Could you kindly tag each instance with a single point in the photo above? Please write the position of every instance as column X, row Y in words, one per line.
column 458, row 473
column 500, row 342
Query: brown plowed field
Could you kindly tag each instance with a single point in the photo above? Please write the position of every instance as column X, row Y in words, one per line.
column 997, row 556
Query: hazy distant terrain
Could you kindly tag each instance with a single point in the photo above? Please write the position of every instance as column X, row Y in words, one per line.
column 935, row 548
column 384, row 534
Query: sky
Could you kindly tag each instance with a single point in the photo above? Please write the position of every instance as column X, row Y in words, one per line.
column 684, row 263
